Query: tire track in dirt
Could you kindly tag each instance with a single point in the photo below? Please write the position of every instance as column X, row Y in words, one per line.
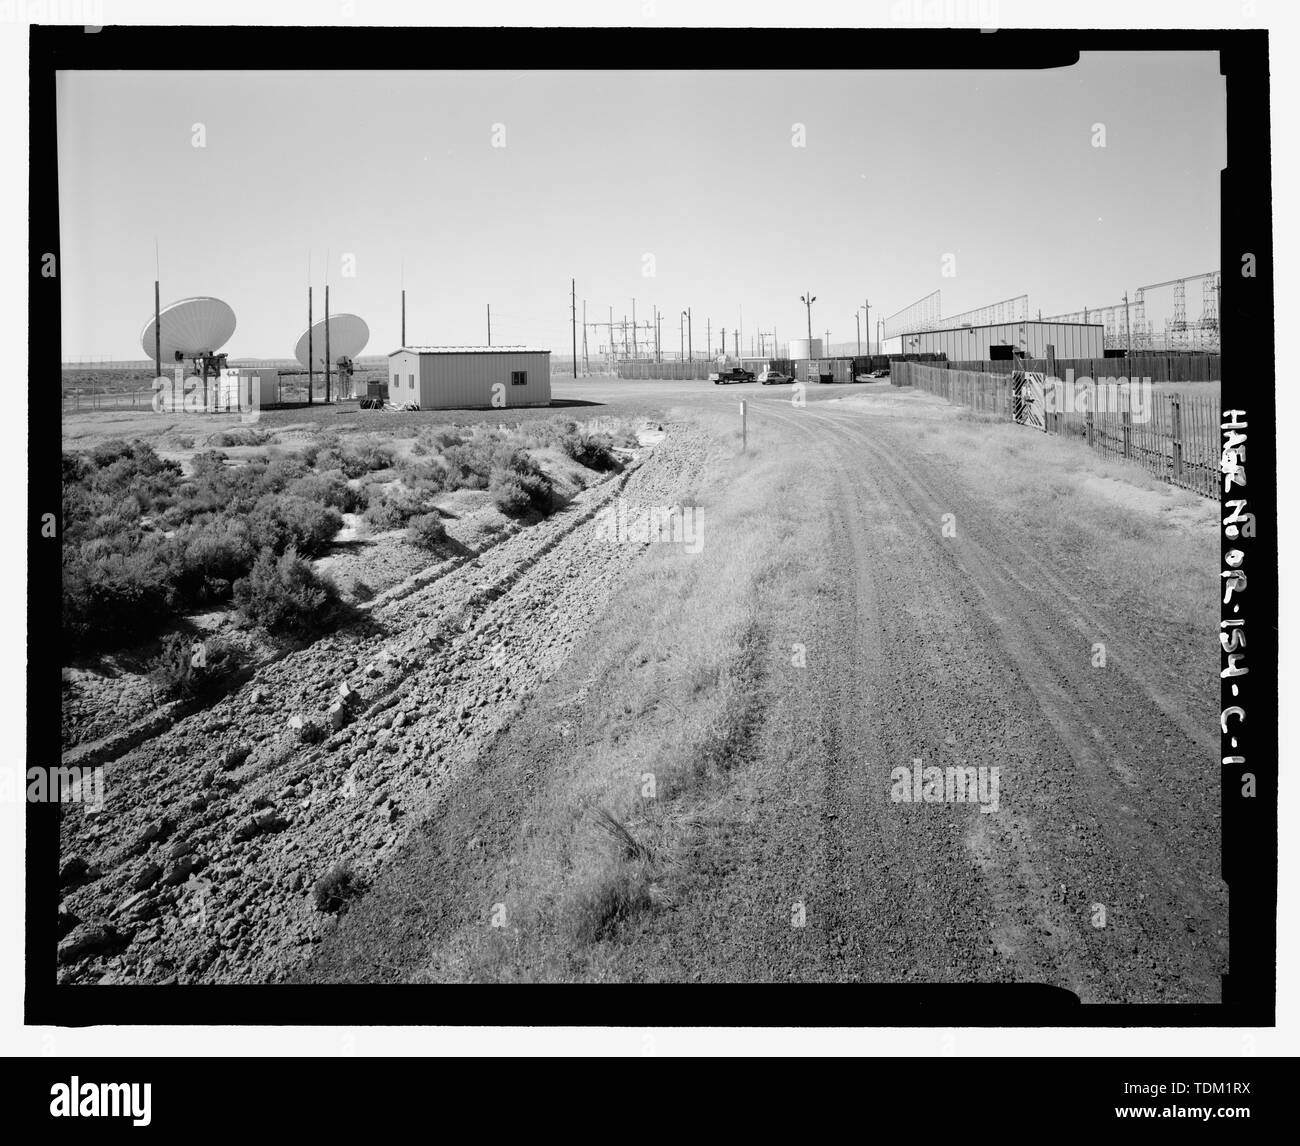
column 1074, row 830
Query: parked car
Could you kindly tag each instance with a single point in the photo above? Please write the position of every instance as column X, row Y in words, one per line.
column 734, row 374
column 774, row 378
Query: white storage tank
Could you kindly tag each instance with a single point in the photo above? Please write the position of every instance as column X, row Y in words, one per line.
column 805, row 348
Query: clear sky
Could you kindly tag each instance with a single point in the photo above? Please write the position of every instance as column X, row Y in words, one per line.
column 601, row 169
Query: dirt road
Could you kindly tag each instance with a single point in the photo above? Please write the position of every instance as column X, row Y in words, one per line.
column 928, row 631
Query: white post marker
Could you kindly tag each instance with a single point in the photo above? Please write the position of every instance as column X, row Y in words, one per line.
column 744, row 434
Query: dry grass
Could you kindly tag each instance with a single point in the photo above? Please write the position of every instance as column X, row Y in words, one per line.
column 1123, row 530
column 664, row 740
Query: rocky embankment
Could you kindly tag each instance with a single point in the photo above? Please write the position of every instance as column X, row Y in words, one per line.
column 202, row 863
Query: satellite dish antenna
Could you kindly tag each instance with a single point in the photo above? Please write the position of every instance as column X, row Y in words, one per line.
column 191, row 328
column 348, row 335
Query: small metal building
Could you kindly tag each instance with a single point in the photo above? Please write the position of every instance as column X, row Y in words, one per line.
column 972, row 343
column 469, row 377
column 245, row 389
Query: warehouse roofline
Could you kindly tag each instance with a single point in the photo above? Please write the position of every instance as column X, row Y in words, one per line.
column 990, row 325
column 468, row 350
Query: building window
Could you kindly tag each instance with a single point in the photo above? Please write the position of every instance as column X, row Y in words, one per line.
column 519, row 378
column 397, row 381
column 412, row 377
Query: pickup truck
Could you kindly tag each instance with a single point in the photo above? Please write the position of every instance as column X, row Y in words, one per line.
column 732, row 374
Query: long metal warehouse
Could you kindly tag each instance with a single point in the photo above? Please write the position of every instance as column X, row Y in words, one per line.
column 469, row 377
column 970, row 343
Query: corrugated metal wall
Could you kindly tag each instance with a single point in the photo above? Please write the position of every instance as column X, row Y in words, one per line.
column 456, row 381
column 1072, row 340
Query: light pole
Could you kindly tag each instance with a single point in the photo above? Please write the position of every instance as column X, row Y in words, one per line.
column 690, row 354
column 808, row 300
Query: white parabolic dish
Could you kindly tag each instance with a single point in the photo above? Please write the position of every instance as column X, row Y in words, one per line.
column 348, row 337
column 192, row 326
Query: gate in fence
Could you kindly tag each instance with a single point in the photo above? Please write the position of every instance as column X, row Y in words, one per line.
column 1027, row 406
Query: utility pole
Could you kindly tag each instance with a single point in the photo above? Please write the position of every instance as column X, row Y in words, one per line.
column 327, row 342
column 157, row 314
column 724, row 342
column 826, row 346
column 735, row 334
column 311, row 357
column 403, row 316
column 573, row 309
column 157, row 332
column 586, row 362
column 690, row 353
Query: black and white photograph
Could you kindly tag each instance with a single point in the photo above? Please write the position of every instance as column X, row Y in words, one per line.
column 435, row 631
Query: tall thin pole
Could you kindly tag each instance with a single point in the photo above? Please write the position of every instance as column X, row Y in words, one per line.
column 690, row 353
column 1128, row 332
column 327, row 342
column 403, row 316
column 634, row 328
column 489, row 310
column 586, row 361
column 866, row 303
column 157, row 332
column 311, row 358
column 857, row 321
column 573, row 307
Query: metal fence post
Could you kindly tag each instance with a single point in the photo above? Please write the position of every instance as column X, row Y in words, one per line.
column 1177, row 410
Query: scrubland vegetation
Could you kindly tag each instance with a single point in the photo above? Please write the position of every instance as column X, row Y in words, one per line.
column 145, row 541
